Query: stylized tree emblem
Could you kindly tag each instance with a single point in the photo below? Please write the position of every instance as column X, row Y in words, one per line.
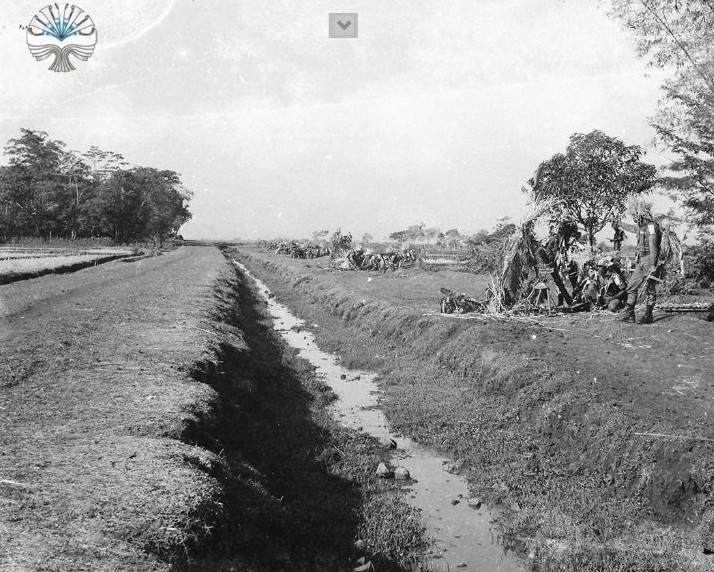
column 61, row 31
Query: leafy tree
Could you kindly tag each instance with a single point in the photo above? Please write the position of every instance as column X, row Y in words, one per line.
column 320, row 235
column 166, row 202
column 141, row 203
column 367, row 238
column 591, row 181
column 678, row 36
column 103, row 163
column 399, row 236
column 46, row 190
column 35, row 160
column 431, row 233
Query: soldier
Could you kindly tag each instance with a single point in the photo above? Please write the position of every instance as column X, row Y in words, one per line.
column 619, row 236
column 649, row 237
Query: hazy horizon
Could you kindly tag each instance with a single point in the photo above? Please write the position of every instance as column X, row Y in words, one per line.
column 437, row 113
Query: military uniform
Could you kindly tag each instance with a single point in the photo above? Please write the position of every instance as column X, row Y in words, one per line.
column 649, row 237
column 618, row 238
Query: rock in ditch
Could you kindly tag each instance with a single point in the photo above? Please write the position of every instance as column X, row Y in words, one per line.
column 388, row 443
column 384, row 472
column 401, row 473
column 475, row 502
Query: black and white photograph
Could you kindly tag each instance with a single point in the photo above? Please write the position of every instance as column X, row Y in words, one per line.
column 357, row 286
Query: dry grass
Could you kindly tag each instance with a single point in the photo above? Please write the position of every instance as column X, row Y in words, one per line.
column 544, row 423
column 96, row 396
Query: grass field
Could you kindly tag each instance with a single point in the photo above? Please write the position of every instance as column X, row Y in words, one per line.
column 592, row 435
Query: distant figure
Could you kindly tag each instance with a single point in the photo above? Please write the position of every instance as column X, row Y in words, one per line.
column 649, row 237
column 619, row 236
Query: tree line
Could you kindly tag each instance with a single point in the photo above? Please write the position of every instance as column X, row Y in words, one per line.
column 47, row 191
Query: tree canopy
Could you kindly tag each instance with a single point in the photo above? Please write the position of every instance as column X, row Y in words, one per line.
column 47, row 191
column 590, row 182
column 678, row 36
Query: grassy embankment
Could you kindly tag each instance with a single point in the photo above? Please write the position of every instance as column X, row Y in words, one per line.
column 555, row 448
column 152, row 421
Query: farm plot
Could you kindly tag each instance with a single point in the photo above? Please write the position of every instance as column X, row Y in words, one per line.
column 22, row 263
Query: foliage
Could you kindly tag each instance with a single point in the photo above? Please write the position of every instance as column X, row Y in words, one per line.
column 413, row 232
column 47, row 191
column 591, row 181
column 320, row 235
column 678, row 36
column 700, row 261
column 485, row 248
column 341, row 243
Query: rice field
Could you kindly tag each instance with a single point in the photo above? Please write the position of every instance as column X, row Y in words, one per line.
column 16, row 261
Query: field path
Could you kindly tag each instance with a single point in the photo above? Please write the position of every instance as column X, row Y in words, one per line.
column 94, row 395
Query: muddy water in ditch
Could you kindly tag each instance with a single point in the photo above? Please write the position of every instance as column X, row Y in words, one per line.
column 464, row 536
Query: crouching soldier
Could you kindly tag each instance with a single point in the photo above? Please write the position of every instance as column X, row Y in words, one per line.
column 649, row 237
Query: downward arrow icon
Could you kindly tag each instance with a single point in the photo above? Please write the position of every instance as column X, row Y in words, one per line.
column 343, row 26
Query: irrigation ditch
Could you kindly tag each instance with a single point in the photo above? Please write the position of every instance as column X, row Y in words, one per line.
column 459, row 527
column 559, row 457
column 157, row 417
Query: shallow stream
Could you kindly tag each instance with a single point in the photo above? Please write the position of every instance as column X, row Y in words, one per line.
column 464, row 535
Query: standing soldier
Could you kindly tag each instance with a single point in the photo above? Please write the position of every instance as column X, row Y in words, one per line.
column 649, row 237
column 619, row 236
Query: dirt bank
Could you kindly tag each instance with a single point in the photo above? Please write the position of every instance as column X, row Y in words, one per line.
column 594, row 435
column 96, row 400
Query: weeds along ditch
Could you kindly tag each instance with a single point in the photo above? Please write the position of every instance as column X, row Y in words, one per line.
column 578, row 489
column 298, row 489
column 152, row 421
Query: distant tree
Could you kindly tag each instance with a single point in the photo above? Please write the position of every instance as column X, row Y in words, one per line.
column 399, row 236
column 367, row 238
column 166, row 202
column 416, row 231
column 103, row 163
column 79, row 188
column 34, row 159
column 320, row 235
column 141, row 203
column 48, row 191
column 590, row 183
column 431, row 234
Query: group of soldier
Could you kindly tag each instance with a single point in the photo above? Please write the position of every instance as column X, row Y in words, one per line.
column 298, row 250
column 604, row 281
column 354, row 258
column 361, row 259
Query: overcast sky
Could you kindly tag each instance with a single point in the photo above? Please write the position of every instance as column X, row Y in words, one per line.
column 437, row 113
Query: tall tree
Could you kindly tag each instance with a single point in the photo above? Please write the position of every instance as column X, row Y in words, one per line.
column 103, row 163
column 166, row 201
column 591, row 181
column 35, row 159
column 678, row 36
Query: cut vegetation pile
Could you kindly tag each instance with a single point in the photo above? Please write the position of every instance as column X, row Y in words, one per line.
column 579, row 440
